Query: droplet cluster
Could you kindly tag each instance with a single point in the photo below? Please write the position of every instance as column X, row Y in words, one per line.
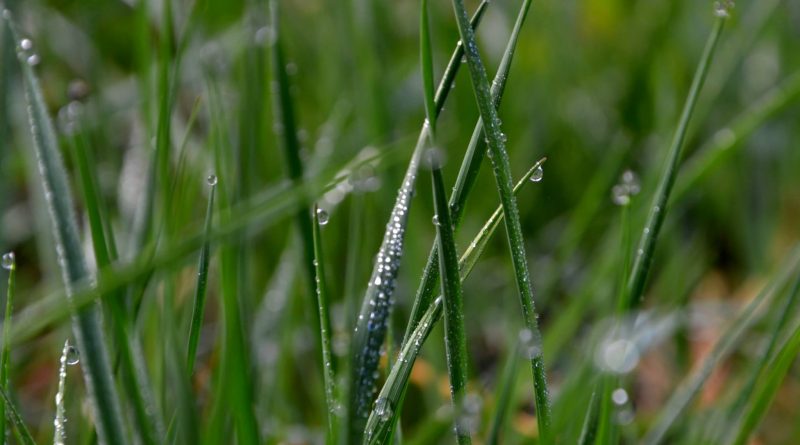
column 628, row 187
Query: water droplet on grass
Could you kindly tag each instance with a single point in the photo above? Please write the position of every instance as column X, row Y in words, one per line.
column 322, row 216
column 723, row 8
column 435, row 220
column 620, row 396
column 33, row 59
column 26, row 44
column 538, row 174
column 73, row 356
column 8, row 261
column 212, row 180
column 383, row 408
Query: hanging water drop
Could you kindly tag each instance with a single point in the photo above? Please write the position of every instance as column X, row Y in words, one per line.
column 211, row 180
column 73, row 356
column 538, row 174
column 26, row 44
column 33, row 59
column 435, row 220
column 8, row 261
column 723, row 8
column 322, row 216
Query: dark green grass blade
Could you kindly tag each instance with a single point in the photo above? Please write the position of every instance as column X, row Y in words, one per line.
column 19, row 425
column 467, row 176
column 455, row 336
column 500, row 166
column 370, row 329
column 9, row 263
column 202, row 281
column 328, row 369
column 87, row 322
column 658, row 210
column 426, row 62
column 728, row 341
column 380, row 424
column 589, row 428
column 506, row 388
column 769, row 374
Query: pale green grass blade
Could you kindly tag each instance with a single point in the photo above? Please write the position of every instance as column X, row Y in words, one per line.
column 198, row 310
column 589, row 428
column 501, row 168
column 19, row 425
column 658, row 209
column 328, row 369
column 87, row 322
column 8, row 263
column 506, row 388
column 455, row 335
column 60, row 422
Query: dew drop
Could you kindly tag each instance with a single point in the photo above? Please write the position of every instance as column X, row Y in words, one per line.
column 620, row 196
column 322, row 216
column 538, row 174
column 8, row 261
column 435, row 220
column 73, row 356
column 723, row 8
column 26, row 44
column 383, row 408
column 33, row 59
column 212, row 180
column 620, row 396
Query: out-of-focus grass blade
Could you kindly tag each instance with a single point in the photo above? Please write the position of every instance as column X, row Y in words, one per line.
column 202, row 281
column 455, row 335
column 328, row 370
column 504, row 395
column 87, row 322
column 370, row 329
column 658, row 210
column 9, row 264
column 382, row 420
column 501, row 168
column 23, row 433
column 426, row 62
column 729, row 339
column 770, row 374
column 589, row 428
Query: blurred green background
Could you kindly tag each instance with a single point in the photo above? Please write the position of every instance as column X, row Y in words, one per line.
column 596, row 86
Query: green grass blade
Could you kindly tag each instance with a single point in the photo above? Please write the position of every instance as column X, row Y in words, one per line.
column 87, row 322
column 426, row 62
column 500, row 165
column 381, row 420
column 370, row 327
column 729, row 339
column 658, row 210
column 505, row 396
column 328, row 369
column 202, row 281
column 467, row 175
column 589, row 428
column 455, row 335
column 19, row 425
column 9, row 264
column 60, row 422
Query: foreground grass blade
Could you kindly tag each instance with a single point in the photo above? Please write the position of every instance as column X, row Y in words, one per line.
column 370, row 329
column 19, row 425
column 500, row 166
column 328, row 370
column 9, row 264
column 468, row 173
column 729, row 339
column 381, row 419
column 658, row 210
column 60, row 422
column 455, row 336
column 87, row 322
column 202, row 281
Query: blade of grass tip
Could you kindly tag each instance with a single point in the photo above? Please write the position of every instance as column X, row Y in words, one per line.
column 505, row 395
column 500, row 166
column 23, row 433
column 202, row 281
column 729, row 339
column 770, row 373
column 658, row 210
column 381, row 420
column 87, row 322
column 455, row 336
column 426, row 62
column 370, row 327
column 9, row 264
column 468, row 173
column 328, row 370
column 589, row 428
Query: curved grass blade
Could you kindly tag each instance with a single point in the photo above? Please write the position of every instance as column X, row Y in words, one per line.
column 455, row 336
column 202, row 281
column 505, row 395
column 381, row 420
column 500, row 166
column 328, row 369
column 9, row 263
column 658, row 210
column 370, row 329
column 727, row 342
column 87, row 322
column 23, row 433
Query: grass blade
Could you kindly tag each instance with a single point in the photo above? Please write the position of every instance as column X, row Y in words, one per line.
column 500, row 165
column 87, row 322
column 23, row 433
column 9, row 264
column 370, row 329
column 426, row 62
column 60, row 422
column 328, row 369
column 455, row 336
column 381, row 421
column 202, row 281
column 658, row 210
column 505, row 395
column 589, row 428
